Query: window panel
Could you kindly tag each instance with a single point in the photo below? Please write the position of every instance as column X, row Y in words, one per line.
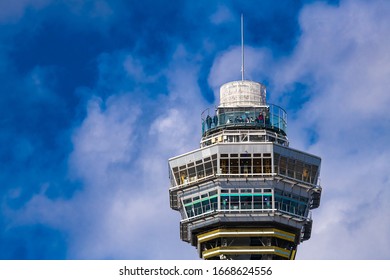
column 290, row 167
column 208, row 168
column 224, row 164
column 283, row 165
column 224, row 201
column 192, row 173
column 183, row 177
column 215, row 166
column 267, row 201
column 200, row 171
column 257, row 166
column 233, row 166
column 246, row 166
column 258, row 202
column 189, row 211
column 246, row 201
column 267, row 165
column 213, row 203
column 234, row 202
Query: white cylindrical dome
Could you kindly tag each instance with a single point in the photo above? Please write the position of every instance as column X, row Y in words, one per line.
column 242, row 94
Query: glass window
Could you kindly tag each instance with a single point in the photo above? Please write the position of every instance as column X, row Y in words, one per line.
column 214, row 202
column 267, row 165
column 206, row 207
column 234, row 202
column 177, row 177
column 224, row 165
column 313, row 174
column 192, row 173
column 257, row 166
column 246, row 201
column 257, row 201
column 189, row 211
column 224, row 201
column 257, row 138
column 200, row 170
column 267, row 201
column 245, row 155
column 283, row 165
column 306, row 173
column 246, row 166
column 276, row 162
column 215, row 166
column 208, row 168
column 290, row 167
column 186, row 201
column 233, row 166
column 183, row 177
column 198, row 208
column 299, row 170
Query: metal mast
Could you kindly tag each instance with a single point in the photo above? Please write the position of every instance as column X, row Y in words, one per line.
column 242, row 47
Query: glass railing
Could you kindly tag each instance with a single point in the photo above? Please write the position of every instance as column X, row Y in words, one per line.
column 270, row 117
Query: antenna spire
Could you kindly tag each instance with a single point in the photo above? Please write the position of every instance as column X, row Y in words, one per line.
column 242, row 47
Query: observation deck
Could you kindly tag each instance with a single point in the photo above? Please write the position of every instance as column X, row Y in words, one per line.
column 269, row 117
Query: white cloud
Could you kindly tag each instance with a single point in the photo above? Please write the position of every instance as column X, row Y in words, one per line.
column 105, row 139
column 14, row 10
column 221, row 15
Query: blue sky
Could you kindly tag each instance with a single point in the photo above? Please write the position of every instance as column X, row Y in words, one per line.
column 95, row 96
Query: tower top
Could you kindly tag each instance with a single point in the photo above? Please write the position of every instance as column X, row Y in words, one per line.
column 242, row 94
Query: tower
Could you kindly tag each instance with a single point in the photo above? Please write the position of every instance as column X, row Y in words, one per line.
column 245, row 194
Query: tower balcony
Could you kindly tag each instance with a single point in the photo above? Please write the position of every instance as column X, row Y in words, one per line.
column 270, row 117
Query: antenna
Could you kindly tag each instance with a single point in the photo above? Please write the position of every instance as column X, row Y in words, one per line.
column 242, row 47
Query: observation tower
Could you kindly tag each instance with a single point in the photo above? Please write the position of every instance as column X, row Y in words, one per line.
column 245, row 194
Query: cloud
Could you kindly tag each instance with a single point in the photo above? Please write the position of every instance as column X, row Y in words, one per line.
column 105, row 139
column 12, row 11
column 222, row 15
